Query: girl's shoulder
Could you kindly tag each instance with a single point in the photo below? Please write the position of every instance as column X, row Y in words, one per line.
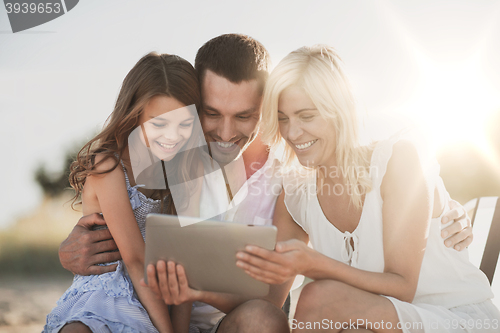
column 104, row 164
column 103, row 174
column 106, row 169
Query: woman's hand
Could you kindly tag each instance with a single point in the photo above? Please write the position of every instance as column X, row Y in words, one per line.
column 290, row 258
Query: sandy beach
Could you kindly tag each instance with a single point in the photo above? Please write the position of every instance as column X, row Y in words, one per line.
column 25, row 301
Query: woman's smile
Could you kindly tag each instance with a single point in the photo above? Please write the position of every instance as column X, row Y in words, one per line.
column 305, row 146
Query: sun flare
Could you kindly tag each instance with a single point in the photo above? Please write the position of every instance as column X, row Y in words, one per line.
column 455, row 100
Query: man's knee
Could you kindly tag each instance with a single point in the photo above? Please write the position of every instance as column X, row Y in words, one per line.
column 255, row 316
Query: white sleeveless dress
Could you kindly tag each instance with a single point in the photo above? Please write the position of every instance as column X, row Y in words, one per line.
column 452, row 295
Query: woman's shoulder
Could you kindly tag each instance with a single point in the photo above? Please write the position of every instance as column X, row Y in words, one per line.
column 385, row 148
column 299, row 185
column 405, row 155
column 405, row 143
column 297, row 191
column 390, row 148
column 297, row 179
column 402, row 147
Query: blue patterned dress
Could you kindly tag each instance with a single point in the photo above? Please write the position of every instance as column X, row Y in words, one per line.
column 107, row 302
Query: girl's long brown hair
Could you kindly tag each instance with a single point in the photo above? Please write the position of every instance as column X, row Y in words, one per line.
column 155, row 74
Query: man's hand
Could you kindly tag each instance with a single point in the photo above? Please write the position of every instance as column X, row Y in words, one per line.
column 458, row 234
column 84, row 248
column 171, row 283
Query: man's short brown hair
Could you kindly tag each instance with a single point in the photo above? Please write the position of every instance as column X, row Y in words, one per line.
column 235, row 57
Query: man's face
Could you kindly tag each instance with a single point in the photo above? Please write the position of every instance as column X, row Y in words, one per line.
column 230, row 115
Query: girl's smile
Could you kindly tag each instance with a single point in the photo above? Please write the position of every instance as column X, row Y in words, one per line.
column 167, row 125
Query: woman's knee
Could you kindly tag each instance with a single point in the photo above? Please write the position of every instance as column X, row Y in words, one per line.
column 324, row 299
column 317, row 293
column 75, row 327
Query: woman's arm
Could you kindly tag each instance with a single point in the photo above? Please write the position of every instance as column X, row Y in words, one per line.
column 111, row 192
column 406, row 211
column 406, row 214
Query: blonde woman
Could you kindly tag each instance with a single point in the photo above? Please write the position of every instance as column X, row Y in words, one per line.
column 372, row 214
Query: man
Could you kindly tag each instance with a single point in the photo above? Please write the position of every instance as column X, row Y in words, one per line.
column 232, row 70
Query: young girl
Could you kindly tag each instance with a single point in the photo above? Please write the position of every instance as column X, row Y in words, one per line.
column 159, row 96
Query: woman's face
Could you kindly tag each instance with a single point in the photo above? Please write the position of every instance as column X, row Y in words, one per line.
column 168, row 124
column 304, row 129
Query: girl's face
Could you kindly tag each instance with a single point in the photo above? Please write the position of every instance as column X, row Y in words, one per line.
column 304, row 129
column 168, row 124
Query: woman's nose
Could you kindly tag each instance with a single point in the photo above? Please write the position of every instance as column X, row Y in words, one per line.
column 294, row 130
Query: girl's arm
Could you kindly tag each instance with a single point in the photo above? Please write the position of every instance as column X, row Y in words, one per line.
column 406, row 214
column 181, row 316
column 111, row 192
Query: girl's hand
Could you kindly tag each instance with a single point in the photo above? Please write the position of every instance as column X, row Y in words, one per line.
column 290, row 258
column 170, row 284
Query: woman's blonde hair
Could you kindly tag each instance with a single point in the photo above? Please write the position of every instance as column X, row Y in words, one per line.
column 318, row 71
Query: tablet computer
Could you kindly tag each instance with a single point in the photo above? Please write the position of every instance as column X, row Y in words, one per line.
column 207, row 250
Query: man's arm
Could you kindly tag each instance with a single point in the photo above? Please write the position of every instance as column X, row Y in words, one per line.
column 85, row 248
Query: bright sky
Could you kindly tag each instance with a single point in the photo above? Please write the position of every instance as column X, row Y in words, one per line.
column 430, row 62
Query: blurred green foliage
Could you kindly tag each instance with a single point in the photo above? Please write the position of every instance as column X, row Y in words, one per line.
column 30, row 246
column 30, row 260
column 54, row 184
